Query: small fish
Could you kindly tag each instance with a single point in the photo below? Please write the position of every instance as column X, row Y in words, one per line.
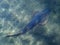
column 38, row 18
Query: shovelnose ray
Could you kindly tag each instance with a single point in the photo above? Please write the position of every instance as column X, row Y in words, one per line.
column 38, row 18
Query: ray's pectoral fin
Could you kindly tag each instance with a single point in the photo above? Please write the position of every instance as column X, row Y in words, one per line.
column 44, row 21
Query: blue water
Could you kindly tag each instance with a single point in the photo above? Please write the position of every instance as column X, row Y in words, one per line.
column 16, row 14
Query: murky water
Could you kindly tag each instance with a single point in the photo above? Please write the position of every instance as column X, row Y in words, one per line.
column 16, row 14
